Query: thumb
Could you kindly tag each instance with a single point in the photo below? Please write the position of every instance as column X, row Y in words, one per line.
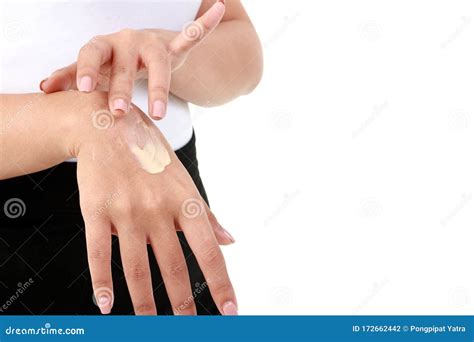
column 60, row 80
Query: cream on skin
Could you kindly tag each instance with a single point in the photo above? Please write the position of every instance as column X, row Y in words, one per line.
column 145, row 144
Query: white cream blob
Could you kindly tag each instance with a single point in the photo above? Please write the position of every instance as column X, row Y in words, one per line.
column 146, row 146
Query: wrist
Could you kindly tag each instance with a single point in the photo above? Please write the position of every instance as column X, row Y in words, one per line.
column 87, row 114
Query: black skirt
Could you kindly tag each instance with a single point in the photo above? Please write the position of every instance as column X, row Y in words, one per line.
column 43, row 260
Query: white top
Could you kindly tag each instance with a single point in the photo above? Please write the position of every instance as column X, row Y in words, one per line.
column 41, row 36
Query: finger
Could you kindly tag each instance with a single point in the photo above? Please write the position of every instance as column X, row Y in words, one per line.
column 193, row 33
column 223, row 236
column 99, row 253
column 136, row 267
column 159, row 75
column 60, row 80
column 170, row 258
column 122, row 78
column 91, row 57
column 202, row 241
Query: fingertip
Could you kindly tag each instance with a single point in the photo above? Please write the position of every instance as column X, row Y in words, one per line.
column 214, row 15
column 54, row 84
column 223, row 239
column 220, row 3
column 43, row 84
column 105, row 302
column 85, row 84
column 158, row 110
column 120, row 107
column 104, row 305
column 228, row 235
column 229, row 309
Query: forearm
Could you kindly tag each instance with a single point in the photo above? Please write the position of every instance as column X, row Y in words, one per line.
column 37, row 131
column 224, row 66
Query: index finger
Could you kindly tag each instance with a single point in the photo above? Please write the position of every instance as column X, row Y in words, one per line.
column 193, row 33
column 91, row 57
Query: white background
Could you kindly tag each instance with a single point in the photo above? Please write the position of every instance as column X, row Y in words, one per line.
column 347, row 177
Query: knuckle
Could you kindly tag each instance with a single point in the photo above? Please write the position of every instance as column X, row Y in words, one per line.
column 144, row 308
column 159, row 90
column 222, row 289
column 123, row 208
column 127, row 33
column 149, row 208
column 91, row 213
column 97, row 254
column 150, row 203
column 176, row 51
column 101, row 284
column 96, row 38
column 176, row 269
column 154, row 36
column 212, row 256
column 91, row 46
column 185, row 307
column 161, row 55
column 139, row 273
column 121, row 70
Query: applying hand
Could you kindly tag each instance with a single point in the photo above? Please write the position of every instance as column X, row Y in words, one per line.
column 113, row 62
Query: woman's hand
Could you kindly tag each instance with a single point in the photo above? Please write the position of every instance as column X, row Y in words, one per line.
column 132, row 184
column 113, row 62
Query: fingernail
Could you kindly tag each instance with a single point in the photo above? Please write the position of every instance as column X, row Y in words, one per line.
column 85, row 84
column 121, row 104
column 158, row 110
column 42, row 84
column 231, row 238
column 104, row 305
column 229, row 309
column 213, row 16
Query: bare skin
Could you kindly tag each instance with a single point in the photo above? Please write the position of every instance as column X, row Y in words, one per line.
column 210, row 62
column 145, row 207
